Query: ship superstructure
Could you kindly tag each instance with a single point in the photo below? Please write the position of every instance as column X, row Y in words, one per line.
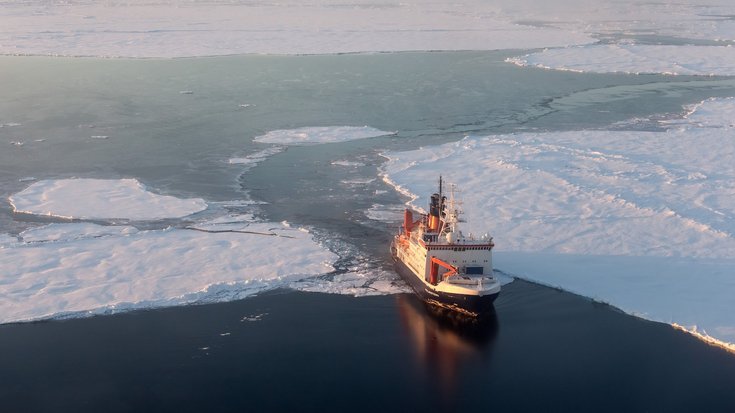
column 444, row 266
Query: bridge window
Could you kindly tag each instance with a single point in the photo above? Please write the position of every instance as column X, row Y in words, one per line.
column 473, row 271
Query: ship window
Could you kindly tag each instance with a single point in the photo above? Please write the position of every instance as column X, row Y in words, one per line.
column 473, row 270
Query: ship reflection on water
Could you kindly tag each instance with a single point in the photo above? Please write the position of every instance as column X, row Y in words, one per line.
column 446, row 342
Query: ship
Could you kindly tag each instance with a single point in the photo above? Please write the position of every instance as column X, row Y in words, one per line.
column 445, row 267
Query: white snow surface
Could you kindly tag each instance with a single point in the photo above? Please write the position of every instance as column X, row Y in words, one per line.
column 85, row 198
column 320, row 134
column 642, row 220
column 7, row 240
column 636, row 59
column 71, row 231
column 171, row 28
column 81, row 275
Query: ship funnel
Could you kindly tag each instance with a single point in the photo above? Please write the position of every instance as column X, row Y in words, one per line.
column 408, row 221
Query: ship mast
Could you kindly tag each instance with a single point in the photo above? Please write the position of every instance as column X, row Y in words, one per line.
column 450, row 216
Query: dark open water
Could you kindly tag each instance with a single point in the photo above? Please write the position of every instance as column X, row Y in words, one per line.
column 544, row 350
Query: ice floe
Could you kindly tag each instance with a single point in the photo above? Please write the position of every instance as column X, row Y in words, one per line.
column 385, row 213
column 642, row 220
column 322, row 134
column 347, row 163
column 80, row 275
column 101, row 199
column 637, row 59
column 165, row 28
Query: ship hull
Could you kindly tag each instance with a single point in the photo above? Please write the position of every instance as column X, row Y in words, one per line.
column 473, row 305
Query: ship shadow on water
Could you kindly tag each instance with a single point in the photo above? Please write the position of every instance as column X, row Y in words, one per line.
column 446, row 343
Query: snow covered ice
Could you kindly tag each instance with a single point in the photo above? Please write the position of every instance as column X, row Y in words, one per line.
column 642, row 220
column 636, row 59
column 167, row 28
column 321, row 134
column 77, row 276
column 101, row 199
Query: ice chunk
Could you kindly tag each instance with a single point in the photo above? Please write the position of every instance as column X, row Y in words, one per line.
column 347, row 163
column 359, row 283
column 253, row 317
column 324, row 134
column 386, row 213
column 101, row 199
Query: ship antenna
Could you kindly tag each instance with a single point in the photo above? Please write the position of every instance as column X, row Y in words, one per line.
column 440, row 186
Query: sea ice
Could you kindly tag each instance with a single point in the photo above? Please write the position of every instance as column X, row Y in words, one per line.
column 101, row 199
column 76, row 275
column 7, row 240
column 385, row 213
column 71, row 231
column 254, row 159
column 642, row 220
column 347, row 163
column 711, row 113
column 166, row 28
column 360, row 282
column 322, row 134
column 637, row 59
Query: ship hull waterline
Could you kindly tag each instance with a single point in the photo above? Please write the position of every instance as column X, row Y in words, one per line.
column 472, row 305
